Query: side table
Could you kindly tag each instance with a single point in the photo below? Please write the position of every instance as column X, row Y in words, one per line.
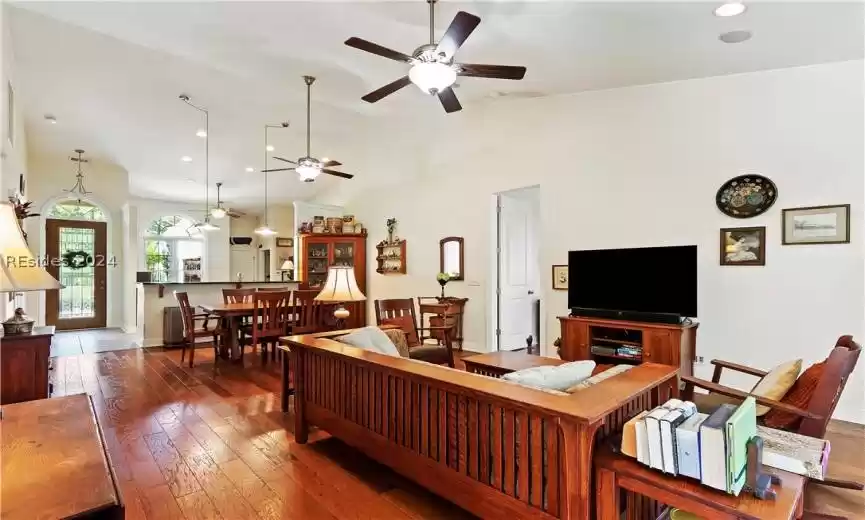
column 647, row 491
column 24, row 365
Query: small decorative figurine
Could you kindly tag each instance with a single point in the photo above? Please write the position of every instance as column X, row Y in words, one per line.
column 19, row 323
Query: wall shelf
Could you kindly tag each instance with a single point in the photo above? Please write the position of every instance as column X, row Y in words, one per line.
column 391, row 257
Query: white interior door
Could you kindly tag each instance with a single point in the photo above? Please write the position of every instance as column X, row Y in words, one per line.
column 517, row 272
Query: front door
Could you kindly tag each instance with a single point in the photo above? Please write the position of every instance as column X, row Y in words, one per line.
column 76, row 255
column 517, row 269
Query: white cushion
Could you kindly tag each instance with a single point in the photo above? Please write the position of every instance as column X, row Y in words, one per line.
column 371, row 338
column 559, row 378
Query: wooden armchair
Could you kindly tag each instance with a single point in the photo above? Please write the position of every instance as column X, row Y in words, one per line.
column 191, row 332
column 811, row 420
column 400, row 312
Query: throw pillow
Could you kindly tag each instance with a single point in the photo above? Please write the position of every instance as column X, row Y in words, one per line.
column 406, row 323
column 397, row 337
column 776, row 383
column 555, row 378
column 597, row 378
column 372, row 339
column 799, row 396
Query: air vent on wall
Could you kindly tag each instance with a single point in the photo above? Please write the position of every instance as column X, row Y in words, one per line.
column 240, row 241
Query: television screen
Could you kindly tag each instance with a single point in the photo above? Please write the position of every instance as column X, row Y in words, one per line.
column 650, row 279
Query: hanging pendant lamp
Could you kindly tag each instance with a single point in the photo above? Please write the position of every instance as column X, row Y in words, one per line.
column 78, row 191
column 265, row 229
column 206, row 225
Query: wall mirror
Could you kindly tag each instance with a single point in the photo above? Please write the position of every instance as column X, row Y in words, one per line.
column 451, row 256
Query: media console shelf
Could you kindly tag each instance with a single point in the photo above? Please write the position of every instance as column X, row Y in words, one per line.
column 613, row 341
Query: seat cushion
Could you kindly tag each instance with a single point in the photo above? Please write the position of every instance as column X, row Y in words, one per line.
column 559, row 377
column 776, row 383
column 799, row 396
column 431, row 354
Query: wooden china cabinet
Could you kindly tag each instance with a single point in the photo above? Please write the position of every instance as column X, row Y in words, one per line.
column 319, row 251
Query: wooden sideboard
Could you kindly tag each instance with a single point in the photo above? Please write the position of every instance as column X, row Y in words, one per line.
column 24, row 363
column 662, row 343
column 55, row 464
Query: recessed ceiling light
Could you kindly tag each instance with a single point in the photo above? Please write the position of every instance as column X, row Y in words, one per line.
column 201, row 133
column 51, row 119
column 186, row 158
column 250, row 169
column 270, row 148
column 730, row 9
column 735, row 36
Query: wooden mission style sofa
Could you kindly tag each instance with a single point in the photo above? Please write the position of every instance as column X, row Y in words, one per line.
column 494, row 448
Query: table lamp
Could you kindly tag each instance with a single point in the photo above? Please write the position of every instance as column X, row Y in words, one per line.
column 19, row 270
column 288, row 265
column 340, row 287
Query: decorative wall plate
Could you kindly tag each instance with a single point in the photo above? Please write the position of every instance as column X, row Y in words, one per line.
column 746, row 196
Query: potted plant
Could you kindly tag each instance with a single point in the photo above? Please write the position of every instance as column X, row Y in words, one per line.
column 443, row 279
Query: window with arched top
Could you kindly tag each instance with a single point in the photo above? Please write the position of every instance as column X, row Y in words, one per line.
column 173, row 248
column 75, row 210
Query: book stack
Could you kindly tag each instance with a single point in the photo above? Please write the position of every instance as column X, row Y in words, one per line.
column 676, row 439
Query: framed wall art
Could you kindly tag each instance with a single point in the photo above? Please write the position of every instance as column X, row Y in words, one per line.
column 816, row 225
column 560, row 277
column 743, row 246
column 285, row 242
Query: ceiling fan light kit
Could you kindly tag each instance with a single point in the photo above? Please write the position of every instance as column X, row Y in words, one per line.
column 432, row 67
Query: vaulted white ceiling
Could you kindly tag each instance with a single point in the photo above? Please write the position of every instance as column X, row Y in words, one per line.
column 111, row 72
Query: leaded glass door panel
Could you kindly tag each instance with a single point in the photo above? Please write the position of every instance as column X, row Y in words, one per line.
column 76, row 254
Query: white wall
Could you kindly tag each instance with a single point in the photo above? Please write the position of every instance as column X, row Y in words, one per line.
column 640, row 167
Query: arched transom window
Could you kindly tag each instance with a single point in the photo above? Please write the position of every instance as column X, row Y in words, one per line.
column 76, row 210
column 173, row 248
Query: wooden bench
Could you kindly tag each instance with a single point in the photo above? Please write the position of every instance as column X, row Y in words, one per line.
column 494, row 448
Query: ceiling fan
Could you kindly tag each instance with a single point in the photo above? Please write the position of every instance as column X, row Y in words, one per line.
column 432, row 65
column 309, row 167
column 220, row 211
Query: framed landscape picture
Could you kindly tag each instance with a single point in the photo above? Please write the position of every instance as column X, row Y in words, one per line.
column 816, row 225
column 285, row 242
column 560, row 277
column 743, row 246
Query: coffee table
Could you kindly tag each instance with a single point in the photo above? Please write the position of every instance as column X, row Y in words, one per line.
column 497, row 364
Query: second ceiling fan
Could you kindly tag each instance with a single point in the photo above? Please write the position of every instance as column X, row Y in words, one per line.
column 308, row 167
column 432, row 65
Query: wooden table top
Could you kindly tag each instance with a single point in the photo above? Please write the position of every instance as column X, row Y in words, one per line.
column 54, row 463
column 237, row 309
column 512, row 360
column 743, row 506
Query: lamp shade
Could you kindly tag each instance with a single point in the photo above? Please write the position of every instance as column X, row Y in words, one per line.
column 340, row 286
column 288, row 265
column 19, row 270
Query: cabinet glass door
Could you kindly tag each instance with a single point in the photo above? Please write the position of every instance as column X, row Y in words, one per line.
column 316, row 265
column 343, row 254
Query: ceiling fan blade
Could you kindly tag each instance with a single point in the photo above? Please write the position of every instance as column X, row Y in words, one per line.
column 277, row 170
column 284, row 160
column 368, row 46
column 461, row 27
column 338, row 174
column 386, row 90
column 475, row 70
column 331, row 163
column 449, row 100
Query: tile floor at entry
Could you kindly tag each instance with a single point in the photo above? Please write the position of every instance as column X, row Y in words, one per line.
column 91, row 341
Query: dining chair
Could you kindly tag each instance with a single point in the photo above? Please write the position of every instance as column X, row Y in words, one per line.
column 270, row 321
column 400, row 312
column 307, row 312
column 237, row 295
column 191, row 332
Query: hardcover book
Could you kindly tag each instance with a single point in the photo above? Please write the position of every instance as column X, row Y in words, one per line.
column 741, row 426
column 795, row 453
column 629, row 435
column 688, row 446
column 713, row 448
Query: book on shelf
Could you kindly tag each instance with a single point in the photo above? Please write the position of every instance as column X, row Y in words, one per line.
column 713, row 448
column 642, row 438
column 740, row 427
column 653, row 432
column 688, row 445
column 795, row 453
column 629, row 435
column 669, row 423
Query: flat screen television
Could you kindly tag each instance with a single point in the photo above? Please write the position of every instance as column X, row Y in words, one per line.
column 648, row 279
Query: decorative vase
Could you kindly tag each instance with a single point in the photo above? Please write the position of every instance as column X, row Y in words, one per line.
column 443, row 283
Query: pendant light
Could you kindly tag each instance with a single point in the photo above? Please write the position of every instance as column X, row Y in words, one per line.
column 206, row 225
column 78, row 191
column 265, row 230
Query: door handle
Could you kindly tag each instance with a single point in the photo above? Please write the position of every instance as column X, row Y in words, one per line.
column 531, row 292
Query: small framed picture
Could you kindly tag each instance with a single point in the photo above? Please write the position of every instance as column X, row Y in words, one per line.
column 560, row 277
column 816, row 225
column 285, row 242
column 743, row 246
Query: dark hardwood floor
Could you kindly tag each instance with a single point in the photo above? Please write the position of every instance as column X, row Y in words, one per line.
column 210, row 442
